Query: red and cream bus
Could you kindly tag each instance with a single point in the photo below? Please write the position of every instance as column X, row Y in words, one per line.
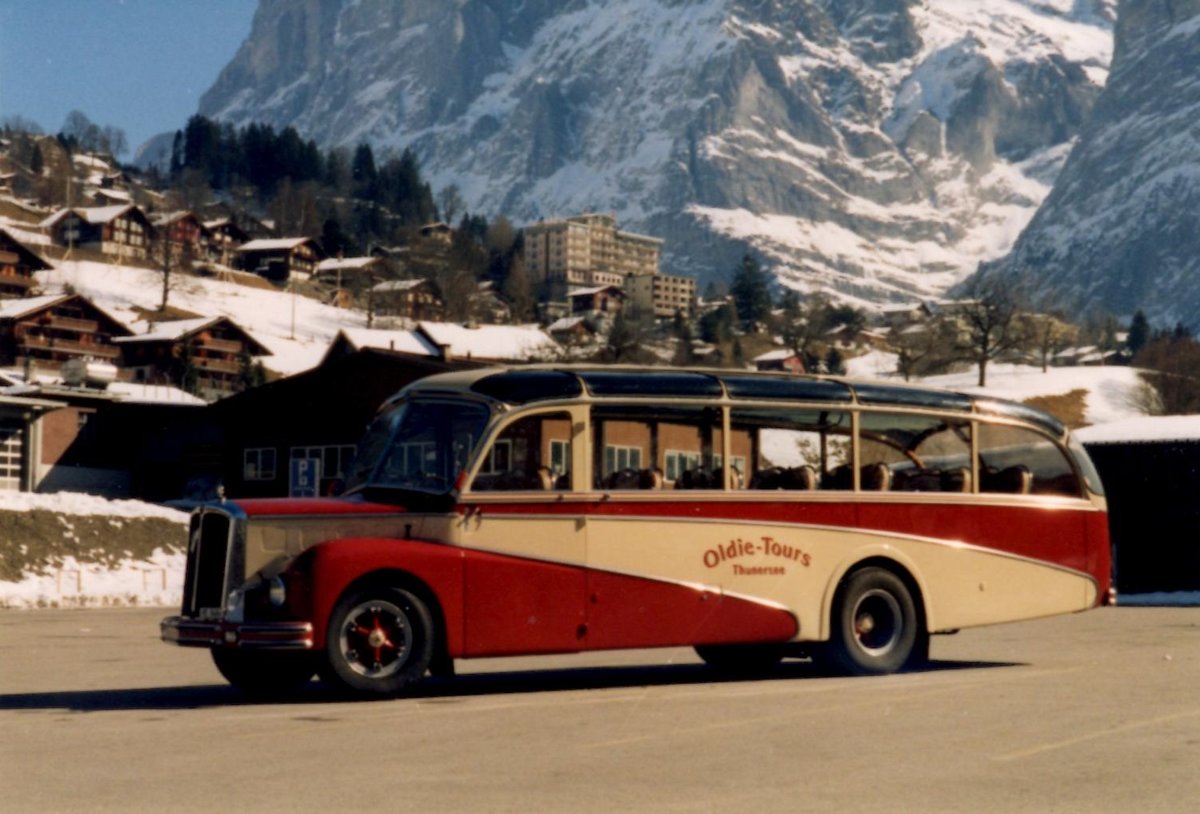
column 562, row 509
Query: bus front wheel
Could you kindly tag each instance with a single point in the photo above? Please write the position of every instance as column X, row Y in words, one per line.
column 380, row 640
column 875, row 625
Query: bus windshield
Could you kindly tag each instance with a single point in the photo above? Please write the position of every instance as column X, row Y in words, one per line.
column 418, row 445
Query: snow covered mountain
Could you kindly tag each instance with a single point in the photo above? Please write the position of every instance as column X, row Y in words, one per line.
column 879, row 149
column 1121, row 230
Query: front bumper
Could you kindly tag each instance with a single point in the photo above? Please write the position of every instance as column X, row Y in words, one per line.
column 189, row 632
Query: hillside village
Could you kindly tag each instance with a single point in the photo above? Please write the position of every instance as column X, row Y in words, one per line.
column 156, row 351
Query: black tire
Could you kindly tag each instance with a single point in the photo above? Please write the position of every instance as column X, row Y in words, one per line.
column 875, row 624
column 380, row 640
column 264, row 673
column 740, row 659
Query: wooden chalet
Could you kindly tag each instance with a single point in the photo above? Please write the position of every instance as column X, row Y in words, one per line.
column 347, row 270
column 214, row 352
column 185, row 233
column 603, row 299
column 411, row 299
column 121, row 231
column 780, row 359
column 49, row 331
column 277, row 259
column 17, row 265
column 221, row 240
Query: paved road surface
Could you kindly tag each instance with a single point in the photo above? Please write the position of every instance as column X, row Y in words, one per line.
column 1091, row 713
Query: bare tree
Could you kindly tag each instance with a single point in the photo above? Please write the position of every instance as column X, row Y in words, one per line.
column 1049, row 334
column 1171, row 367
column 989, row 325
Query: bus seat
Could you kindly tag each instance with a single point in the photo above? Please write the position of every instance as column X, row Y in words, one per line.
column 876, row 477
column 957, row 479
column 545, row 478
column 650, row 479
column 1012, row 480
column 623, row 479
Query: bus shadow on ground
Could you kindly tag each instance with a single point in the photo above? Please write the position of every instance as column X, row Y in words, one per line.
column 443, row 689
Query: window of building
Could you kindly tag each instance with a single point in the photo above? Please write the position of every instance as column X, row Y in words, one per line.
column 258, row 464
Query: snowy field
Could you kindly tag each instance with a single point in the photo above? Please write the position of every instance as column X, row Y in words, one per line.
column 158, row 580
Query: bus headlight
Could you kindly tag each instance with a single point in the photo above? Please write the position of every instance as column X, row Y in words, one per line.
column 277, row 592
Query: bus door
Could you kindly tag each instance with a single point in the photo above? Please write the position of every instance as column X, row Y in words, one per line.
column 525, row 581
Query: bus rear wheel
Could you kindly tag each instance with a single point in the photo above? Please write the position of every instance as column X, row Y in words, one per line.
column 875, row 624
column 380, row 640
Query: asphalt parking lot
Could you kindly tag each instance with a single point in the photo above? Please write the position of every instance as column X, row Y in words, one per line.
column 1092, row 713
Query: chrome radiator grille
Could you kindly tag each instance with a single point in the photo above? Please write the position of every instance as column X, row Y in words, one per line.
column 209, row 562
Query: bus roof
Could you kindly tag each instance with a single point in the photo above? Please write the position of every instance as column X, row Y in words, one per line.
column 527, row 384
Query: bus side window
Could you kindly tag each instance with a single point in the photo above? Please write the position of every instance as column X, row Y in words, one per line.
column 793, row 450
column 906, row 452
column 656, row 447
column 1016, row 460
column 531, row 454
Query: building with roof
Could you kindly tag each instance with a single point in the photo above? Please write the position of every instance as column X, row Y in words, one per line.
column 602, row 299
column 343, row 270
column 121, row 230
column 410, row 299
column 661, row 295
column 222, row 237
column 17, row 265
column 277, row 259
column 184, row 232
column 1150, row 468
column 209, row 356
column 586, row 250
column 45, row 332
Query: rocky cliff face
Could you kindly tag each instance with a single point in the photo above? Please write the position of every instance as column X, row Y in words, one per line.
column 1121, row 230
column 878, row 149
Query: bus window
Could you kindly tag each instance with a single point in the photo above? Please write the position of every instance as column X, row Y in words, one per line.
column 1016, row 460
column 647, row 447
column 794, row 449
column 532, row 453
column 914, row 453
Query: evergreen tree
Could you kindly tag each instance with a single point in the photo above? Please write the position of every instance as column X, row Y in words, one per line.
column 1139, row 332
column 751, row 292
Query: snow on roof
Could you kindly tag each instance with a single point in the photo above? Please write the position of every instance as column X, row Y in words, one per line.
column 565, row 323
column 499, row 342
column 91, row 214
column 397, row 285
column 774, row 355
column 167, row 331
column 1144, row 429
column 11, row 309
column 346, row 263
column 403, row 341
column 583, row 292
column 22, row 236
column 153, row 394
column 273, row 244
column 115, row 194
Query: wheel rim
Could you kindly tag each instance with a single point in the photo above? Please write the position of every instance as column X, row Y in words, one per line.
column 878, row 622
column 376, row 639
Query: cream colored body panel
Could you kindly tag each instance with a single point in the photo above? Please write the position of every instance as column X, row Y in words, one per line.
column 792, row 566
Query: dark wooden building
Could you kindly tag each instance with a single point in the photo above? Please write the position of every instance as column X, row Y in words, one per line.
column 121, row 231
column 1150, row 468
column 318, row 415
column 212, row 353
column 278, row 258
column 17, row 265
column 49, row 331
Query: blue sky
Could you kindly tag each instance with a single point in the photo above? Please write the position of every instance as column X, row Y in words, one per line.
column 140, row 65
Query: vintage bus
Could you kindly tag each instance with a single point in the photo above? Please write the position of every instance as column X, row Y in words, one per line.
column 752, row 516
